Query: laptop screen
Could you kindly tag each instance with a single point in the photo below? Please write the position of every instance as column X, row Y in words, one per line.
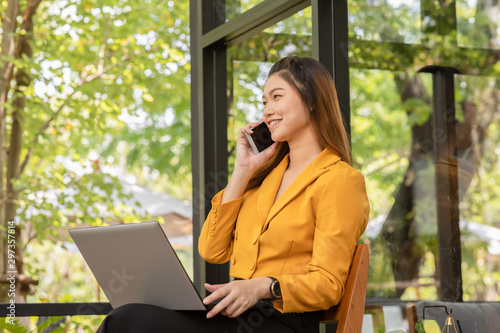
column 135, row 263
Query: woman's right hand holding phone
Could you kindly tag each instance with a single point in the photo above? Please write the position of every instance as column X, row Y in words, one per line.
column 246, row 164
column 245, row 157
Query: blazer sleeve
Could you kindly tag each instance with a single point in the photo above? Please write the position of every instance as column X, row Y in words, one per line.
column 215, row 243
column 341, row 217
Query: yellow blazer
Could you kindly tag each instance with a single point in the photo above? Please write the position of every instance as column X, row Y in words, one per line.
column 306, row 239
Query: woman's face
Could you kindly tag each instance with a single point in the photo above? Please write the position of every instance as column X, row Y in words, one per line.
column 285, row 113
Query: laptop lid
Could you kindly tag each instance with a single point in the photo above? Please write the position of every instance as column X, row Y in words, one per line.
column 135, row 263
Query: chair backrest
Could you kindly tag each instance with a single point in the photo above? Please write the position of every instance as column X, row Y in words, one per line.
column 467, row 316
column 349, row 312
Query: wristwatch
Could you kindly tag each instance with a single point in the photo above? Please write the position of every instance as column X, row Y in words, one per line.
column 274, row 289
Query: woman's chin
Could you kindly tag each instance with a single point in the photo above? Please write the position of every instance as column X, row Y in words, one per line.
column 277, row 138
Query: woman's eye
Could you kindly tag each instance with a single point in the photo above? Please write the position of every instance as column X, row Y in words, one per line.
column 276, row 96
column 264, row 103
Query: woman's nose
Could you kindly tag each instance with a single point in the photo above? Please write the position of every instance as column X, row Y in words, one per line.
column 268, row 111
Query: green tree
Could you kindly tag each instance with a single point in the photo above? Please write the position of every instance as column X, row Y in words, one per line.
column 89, row 89
column 383, row 155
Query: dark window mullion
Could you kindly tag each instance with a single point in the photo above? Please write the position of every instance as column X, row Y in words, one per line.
column 330, row 47
column 209, row 129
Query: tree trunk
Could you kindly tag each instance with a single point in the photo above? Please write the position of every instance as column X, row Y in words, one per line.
column 23, row 285
column 400, row 230
column 410, row 224
column 8, row 49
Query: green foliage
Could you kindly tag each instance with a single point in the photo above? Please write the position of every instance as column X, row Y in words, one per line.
column 49, row 263
column 420, row 111
column 236, row 7
column 8, row 327
column 481, row 202
column 110, row 95
column 50, row 324
column 382, row 126
column 419, row 327
column 109, row 101
column 385, row 21
column 142, row 48
column 476, row 25
column 377, row 120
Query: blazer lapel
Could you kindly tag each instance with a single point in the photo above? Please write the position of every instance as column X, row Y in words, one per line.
column 317, row 167
column 269, row 188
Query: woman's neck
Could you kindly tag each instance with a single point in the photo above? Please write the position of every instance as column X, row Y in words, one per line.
column 303, row 152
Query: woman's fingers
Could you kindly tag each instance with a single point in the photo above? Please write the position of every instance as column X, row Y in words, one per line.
column 236, row 308
column 254, row 124
column 219, row 307
column 238, row 296
column 248, row 128
column 215, row 293
column 233, row 308
column 231, row 303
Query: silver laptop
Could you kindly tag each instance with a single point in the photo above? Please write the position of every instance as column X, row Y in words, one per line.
column 135, row 263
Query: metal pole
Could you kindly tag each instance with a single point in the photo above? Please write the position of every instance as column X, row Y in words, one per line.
column 444, row 135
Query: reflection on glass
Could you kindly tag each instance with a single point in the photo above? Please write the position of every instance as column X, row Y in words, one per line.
column 377, row 119
column 237, row 7
column 477, row 153
column 478, row 24
column 299, row 24
column 393, row 145
column 391, row 126
column 248, row 65
column 385, row 20
column 393, row 137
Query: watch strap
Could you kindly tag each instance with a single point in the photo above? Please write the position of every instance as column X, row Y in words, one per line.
column 274, row 289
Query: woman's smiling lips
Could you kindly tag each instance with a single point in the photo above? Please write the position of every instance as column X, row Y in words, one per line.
column 272, row 123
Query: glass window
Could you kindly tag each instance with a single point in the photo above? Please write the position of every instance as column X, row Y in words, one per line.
column 478, row 24
column 237, row 7
column 248, row 65
column 392, row 116
column 477, row 155
column 391, row 124
column 393, row 145
column 385, row 20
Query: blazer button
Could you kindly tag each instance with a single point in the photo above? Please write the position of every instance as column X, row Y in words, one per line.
column 212, row 233
column 212, row 227
column 251, row 265
column 213, row 221
column 214, row 214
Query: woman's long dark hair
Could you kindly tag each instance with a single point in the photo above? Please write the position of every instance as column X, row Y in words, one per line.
column 316, row 88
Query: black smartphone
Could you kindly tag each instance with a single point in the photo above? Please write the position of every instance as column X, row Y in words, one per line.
column 260, row 139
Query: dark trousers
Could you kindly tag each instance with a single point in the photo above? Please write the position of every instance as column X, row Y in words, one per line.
column 261, row 318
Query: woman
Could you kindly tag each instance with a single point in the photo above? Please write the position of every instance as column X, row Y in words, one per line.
column 288, row 220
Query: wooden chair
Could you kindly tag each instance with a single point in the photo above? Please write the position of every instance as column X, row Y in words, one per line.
column 348, row 314
column 411, row 316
